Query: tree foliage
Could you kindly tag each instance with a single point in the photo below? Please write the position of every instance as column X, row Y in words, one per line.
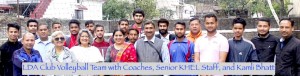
column 255, row 6
column 149, row 7
column 116, row 9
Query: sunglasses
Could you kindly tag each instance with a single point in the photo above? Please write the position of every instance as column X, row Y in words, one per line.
column 59, row 39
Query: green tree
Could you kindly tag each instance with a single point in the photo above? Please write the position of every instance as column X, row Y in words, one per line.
column 149, row 7
column 116, row 9
column 256, row 6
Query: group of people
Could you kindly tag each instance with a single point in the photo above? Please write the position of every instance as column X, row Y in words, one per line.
column 138, row 43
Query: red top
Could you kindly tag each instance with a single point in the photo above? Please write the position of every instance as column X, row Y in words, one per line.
column 73, row 41
column 101, row 45
column 134, row 26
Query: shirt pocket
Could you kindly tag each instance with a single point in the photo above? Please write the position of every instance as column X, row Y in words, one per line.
column 287, row 56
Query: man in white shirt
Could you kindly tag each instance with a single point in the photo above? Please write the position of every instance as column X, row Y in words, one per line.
column 43, row 44
column 212, row 47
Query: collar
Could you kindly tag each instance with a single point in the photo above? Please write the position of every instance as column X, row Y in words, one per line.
column 33, row 52
column 136, row 26
column 237, row 40
column 194, row 36
column 286, row 40
column 161, row 36
column 98, row 42
column 152, row 39
column 216, row 35
column 184, row 40
column 13, row 43
column 40, row 41
column 66, row 54
column 268, row 34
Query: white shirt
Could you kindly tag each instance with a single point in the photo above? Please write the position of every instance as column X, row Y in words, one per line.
column 210, row 49
column 166, row 39
column 90, row 54
column 61, row 56
column 43, row 47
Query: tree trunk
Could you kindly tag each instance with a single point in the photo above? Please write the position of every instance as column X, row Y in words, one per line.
column 282, row 9
column 273, row 12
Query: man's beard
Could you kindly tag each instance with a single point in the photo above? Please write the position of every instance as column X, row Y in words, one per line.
column 163, row 31
column 263, row 34
column 124, row 29
column 179, row 36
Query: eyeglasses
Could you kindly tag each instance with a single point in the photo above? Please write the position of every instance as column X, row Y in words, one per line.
column 59, row 39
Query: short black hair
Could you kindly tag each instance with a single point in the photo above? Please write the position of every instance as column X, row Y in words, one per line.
column 89, row 22
column 98, row 25
column 55, row 23
column 195, row 18
column 162, row 20
column 239, row 20
column 211, row 15
column 123, row 20
column 13, row 25
column 42, row 25
column 265, row 20
column 132, row 29
column 149, row 22
column 181, row 23
column 32, row 20
column 289, row 19
column 74, row 21
column 138, row 10
column 116, row 30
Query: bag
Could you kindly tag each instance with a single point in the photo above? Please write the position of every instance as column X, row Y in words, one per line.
column 160, row 57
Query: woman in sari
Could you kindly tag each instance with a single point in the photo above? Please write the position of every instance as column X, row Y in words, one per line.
column 120, row 51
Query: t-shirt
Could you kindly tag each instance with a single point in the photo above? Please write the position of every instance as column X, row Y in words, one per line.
column 90, row 54
column 102, row 46
column 210, row 49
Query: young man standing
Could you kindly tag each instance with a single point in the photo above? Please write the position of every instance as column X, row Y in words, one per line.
column 43, row 44
column 56, row 26
column 124, row 26
column 74, row 27
column 240, row 49
column 7, row 49
column 99, row 41
column 90, row 25
column 163, row 30
column 265, row 42
column 138, row 17
column 181, row 49
column 211, row 47
column 32, row 27
column 288, row 50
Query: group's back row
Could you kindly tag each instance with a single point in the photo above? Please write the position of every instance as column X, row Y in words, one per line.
column 138, row 43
